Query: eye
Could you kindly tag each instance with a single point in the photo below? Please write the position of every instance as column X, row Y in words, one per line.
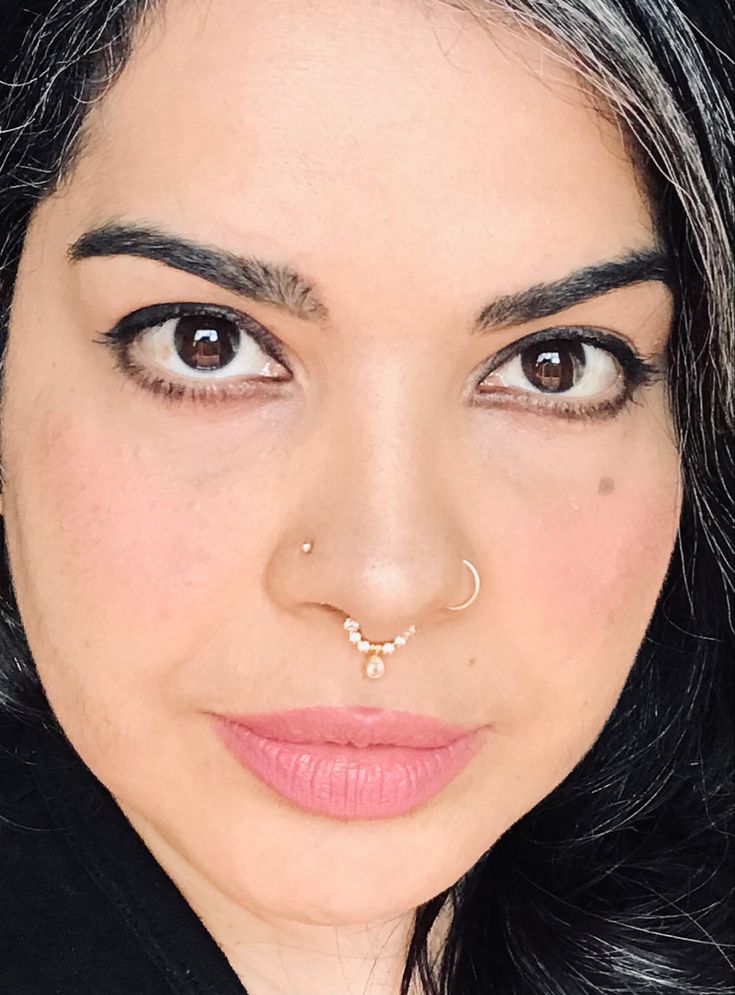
column 203, row 345
column 570, row 372
column 575, row 369
column 196, row 350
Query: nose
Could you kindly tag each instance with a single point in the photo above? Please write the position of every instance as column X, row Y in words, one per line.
column 384, row 519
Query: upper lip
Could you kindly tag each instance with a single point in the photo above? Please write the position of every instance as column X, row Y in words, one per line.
column 358, row 726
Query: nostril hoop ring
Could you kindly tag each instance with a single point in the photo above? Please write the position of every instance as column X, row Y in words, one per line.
column 466, row 604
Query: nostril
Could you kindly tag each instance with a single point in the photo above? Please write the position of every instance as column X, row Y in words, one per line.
column 333, row 608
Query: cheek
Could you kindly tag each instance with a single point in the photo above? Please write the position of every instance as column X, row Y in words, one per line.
column 590, row 524
column 577, row 578
column 591, row 567
column 126, row 557
column 589, row 591
column 120, row 523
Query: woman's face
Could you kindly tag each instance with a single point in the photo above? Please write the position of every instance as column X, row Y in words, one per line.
column 412, row 167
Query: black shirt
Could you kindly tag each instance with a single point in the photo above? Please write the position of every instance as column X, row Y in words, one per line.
column 85, row 909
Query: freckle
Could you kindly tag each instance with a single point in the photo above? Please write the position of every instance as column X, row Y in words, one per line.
column 471, row 661
column 607, row 485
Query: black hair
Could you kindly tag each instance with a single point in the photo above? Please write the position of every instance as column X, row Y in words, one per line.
column 620, row 881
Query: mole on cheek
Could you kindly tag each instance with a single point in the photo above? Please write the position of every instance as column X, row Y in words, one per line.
column 607, row 485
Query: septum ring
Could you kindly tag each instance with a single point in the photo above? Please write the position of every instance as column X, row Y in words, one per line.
column 375, row 666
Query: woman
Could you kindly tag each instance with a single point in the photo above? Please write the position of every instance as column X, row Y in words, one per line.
column 365, row 422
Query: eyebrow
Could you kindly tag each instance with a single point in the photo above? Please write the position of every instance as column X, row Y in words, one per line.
column 247, row 276
column 545, row 299
column 280, row 285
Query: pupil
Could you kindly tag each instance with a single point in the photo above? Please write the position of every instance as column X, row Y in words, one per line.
column 205, row 342
column 553, row 367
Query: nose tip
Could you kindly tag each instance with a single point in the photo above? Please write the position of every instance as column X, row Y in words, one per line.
column 387, row 598
column 388, row 573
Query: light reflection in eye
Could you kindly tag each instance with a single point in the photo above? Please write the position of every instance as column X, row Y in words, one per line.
column 571, row 368
column 203, row 346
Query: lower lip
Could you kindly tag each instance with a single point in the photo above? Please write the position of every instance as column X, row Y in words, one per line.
column 345, row 781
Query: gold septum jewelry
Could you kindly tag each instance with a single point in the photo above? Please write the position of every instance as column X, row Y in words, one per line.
column 375, row 666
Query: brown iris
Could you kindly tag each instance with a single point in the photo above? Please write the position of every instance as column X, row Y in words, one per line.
column 553, row 367
column 205, row 342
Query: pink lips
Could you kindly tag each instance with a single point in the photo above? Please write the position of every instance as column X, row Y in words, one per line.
column 350, row 763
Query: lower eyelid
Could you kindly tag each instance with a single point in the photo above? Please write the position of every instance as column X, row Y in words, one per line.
column 537, row 405
column 198, row 392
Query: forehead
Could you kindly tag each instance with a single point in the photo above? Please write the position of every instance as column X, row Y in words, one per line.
column 404, row 137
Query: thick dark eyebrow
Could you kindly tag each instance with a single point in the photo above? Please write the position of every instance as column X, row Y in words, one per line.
column 280, row 285
column 247, row 276
column 545, row 299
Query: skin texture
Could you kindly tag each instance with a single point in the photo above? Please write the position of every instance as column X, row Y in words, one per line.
column 155, row 547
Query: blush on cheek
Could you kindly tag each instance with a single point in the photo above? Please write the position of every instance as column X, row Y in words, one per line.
column 134, row 541
column 589, row 575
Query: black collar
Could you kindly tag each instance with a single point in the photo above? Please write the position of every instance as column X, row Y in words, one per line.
column 120, row 865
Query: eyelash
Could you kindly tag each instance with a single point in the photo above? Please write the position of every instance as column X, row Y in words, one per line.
column 122, row 336
column 637, row 371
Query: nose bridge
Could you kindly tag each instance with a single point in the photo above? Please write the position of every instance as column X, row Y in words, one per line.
column 385, row 511
column 388, row 449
